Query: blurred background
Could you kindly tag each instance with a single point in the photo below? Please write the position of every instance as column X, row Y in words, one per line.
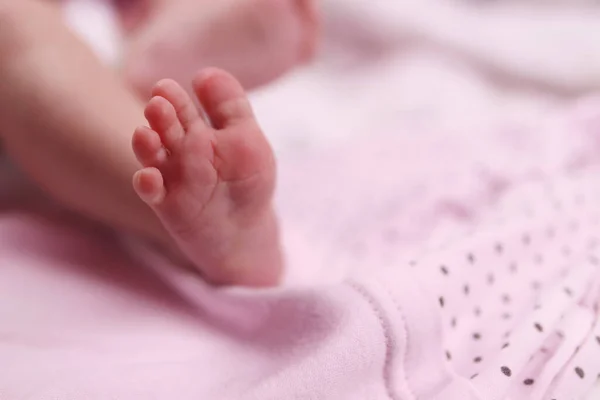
column 401, row 68
column 385, row 63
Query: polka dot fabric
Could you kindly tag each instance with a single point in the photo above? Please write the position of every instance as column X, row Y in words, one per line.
column 503, row 230
column 519, row 303
column 449, row 266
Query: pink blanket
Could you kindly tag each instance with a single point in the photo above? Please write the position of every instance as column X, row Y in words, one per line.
column 441, row 266
column 424, row 262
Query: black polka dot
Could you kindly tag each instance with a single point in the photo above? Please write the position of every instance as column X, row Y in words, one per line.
column 453, row 322
column 412, row 263
column 568, row 291
column 528, row 382
column 471, row 258
column 477, row 360
column 474, row 376
column 466, row 290
column 476, row 335
column 477, row 311
column 505, row 298
column 506, row 316
column 490, row 279
column 579, row 372
column 526, row 239
column 499, row 248
column 538, row 327
column 444, row 270
column 448, row 355
column 536, row 285
column 442, row 302
column 544, row 350
column 506, row 371
column 560, row 334
column 507, row 334
column 598, row 339
column 505, row 345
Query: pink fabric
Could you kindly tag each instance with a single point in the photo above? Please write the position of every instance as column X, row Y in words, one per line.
column 423, row 265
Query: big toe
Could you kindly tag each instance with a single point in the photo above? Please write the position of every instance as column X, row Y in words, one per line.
column 242, row 149
column 223, row 98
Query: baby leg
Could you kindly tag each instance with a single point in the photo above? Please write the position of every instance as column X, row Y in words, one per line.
column 255, row 40
column 67, row 120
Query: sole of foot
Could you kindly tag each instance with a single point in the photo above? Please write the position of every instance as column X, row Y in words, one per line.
column 211, row 183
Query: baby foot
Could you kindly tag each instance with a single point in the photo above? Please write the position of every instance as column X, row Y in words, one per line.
column 211, row 185
column 255, row 40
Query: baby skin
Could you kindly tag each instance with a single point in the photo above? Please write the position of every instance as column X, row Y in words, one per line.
column 211, row 183
column 255, row 40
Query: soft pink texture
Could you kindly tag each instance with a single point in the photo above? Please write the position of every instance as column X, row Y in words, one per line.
column 504, row 204
column 87, row 315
